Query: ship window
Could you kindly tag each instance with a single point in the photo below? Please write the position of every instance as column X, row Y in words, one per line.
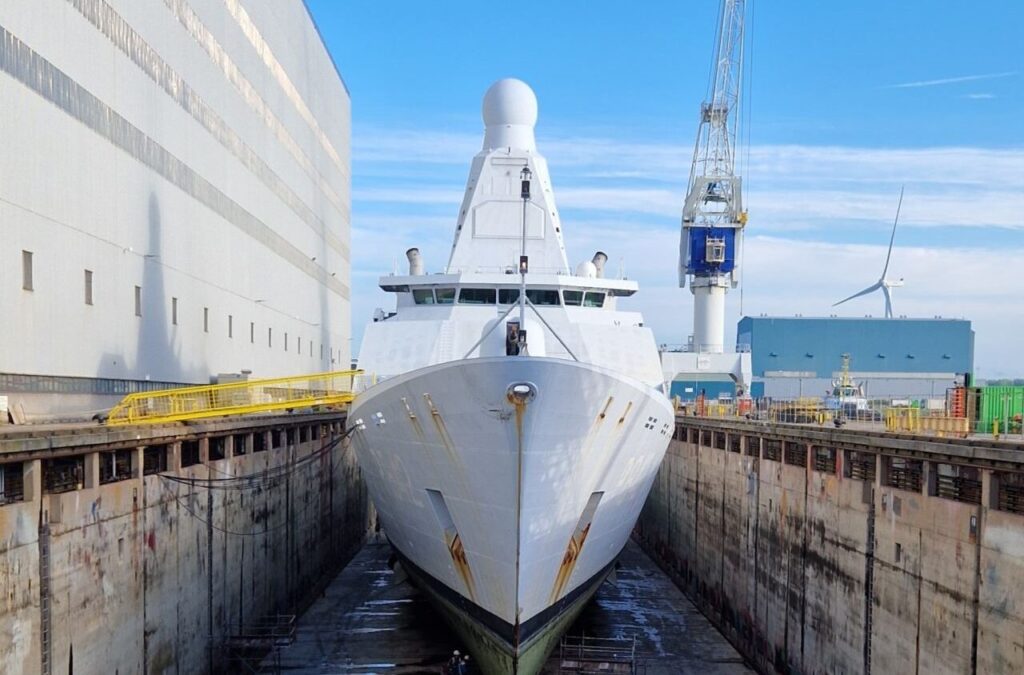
column 593, row 299
column 540, row 296
column 445, row 296
column 423, row 296
column 138, row 301
column 573, row 298
column 477, row 296
column 508, row 296
column 206, row 319
column 174, row 311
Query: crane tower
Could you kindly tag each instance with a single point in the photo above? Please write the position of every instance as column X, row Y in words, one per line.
column 713, row 215
column 713, row 219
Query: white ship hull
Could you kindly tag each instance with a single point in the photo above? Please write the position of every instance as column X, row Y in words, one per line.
column 491, row 501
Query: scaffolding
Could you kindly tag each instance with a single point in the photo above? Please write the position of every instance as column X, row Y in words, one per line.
column 236, row 398
column 582, row 655
column 256, row 647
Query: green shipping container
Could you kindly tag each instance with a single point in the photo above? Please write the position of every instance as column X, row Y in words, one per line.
column 995, row 403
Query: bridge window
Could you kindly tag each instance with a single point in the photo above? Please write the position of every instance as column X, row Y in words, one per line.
column 593, row 299
column 477, row 296
column 540, row 296
column 423, row 296
column 508, row 296
column 445, row 296
column 573, row 298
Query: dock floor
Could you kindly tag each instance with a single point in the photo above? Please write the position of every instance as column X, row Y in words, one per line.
column 366, row 623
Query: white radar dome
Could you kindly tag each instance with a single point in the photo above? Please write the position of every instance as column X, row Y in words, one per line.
column 510, row 101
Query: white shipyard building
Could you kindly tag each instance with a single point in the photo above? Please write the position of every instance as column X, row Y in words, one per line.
column 174, row 198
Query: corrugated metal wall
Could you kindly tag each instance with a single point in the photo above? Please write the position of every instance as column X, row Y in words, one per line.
column 812, row 347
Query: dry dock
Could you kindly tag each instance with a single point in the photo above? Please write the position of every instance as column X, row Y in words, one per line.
column 192, row 548
column 819, row 550
column 168, row 549
column 369, row 622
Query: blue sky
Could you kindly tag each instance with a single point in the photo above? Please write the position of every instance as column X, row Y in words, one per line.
column 847, row 101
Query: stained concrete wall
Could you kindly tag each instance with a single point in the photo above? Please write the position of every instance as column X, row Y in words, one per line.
column 810, row 571
column 141, row 575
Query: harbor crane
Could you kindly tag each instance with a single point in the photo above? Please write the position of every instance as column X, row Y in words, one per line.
column 713, row 215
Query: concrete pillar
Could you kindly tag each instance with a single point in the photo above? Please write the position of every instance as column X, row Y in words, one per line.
column 174, row 457
column 929, row 478
column 92, row 470
column 989, row 489
column 229, row 446
column 204, row 450
column 138, row 459
column 32, row 475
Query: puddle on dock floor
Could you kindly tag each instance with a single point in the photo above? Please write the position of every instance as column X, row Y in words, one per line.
column 366, row 623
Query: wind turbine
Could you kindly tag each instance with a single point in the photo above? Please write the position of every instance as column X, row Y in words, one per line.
column 885, row 284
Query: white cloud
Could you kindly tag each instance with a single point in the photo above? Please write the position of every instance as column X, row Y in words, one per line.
column 625, row 198
column 588, row 157
column 950, row 80
column 786, row 277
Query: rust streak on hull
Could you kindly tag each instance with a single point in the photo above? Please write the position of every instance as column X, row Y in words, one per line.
column 572, row 555
column 458, row 553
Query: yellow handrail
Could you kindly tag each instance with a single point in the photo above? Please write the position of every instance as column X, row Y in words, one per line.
column 235, row 398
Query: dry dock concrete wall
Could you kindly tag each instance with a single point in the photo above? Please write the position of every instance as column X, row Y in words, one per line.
column 140, row 550
column 842, row 552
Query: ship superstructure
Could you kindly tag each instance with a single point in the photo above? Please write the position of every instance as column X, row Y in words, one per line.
column 518, row 418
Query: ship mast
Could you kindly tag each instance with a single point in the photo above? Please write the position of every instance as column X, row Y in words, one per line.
column 713, row 215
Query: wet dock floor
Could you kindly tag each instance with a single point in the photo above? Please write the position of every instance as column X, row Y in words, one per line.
column 366, row 623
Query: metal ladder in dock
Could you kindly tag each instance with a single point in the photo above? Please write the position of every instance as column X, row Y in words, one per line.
column 45, row 624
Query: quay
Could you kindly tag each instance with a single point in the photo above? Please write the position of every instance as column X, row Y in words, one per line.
column 846, row 550
column 153, row 548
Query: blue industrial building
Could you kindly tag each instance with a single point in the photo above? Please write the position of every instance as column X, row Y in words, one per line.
column 797, row 356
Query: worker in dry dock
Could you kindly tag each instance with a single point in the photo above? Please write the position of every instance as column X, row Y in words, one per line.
column 453, row 664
